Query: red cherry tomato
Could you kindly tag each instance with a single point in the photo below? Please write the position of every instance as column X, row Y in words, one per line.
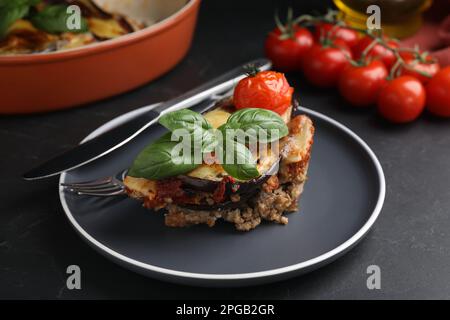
column 267, row 90
column 286, row 53
column 418, row 64
column 322, row 64
column 438, row 93
column 360, row 85
column 378, row 51
column 350, row 37
column 402, row 99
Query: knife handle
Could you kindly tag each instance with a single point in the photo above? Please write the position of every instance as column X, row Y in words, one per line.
column 216, row 86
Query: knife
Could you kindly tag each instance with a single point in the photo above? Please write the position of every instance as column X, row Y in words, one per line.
column 120, row 135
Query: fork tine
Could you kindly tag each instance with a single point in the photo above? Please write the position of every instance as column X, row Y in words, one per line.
column 99, row 189
column 103, row 187
column 103, row 194
column 95, row 188
column 111, row 188
column 95, row 182
column 102, row 191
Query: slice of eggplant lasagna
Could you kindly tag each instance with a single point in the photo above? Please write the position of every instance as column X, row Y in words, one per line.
column 210, row 191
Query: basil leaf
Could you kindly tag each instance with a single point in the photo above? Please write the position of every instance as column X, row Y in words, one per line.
column 53, row 19
column 9, row 16
column 240, row 164
column 13, row 10
column 258, row 122
column 194, row 123
column 156, row 161
column 184, row 119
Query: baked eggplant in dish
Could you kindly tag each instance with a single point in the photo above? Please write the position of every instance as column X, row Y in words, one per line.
column 265, row 187
column 39, row 26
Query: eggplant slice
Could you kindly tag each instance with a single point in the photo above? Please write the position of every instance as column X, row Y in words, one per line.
column 244, row 190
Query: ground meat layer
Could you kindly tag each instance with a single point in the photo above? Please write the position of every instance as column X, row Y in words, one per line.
column 269, row 205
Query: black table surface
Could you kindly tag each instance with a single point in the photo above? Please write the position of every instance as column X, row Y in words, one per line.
column 410, row 242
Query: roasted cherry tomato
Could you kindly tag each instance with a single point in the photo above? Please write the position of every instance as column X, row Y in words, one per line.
column 286, row 50
column 350, row 37
column 378, row 51
column 266, row 89
column 417, row 64
column 438, row 93
column 360, row 85
column 322, row 64
column 402, row 99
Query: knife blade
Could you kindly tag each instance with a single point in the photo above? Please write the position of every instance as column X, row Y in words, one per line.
column 115, row 138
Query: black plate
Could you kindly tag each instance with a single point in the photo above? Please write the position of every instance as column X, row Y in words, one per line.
column 342, row 199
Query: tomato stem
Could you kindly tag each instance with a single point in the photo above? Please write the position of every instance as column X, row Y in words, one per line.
column 368, row 48
column 279, row 24
column 251, row 69
column 287, row 29
column 394, row 69
column 408, row 66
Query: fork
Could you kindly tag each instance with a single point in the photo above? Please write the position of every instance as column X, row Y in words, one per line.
column 102, row 187
column 113, row 185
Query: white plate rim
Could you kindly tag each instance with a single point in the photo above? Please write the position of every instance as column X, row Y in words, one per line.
column 336, row 252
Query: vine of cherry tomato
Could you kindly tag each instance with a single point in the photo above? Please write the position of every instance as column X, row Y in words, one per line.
column 367, row 69
column 418, row 65
column 377, row 52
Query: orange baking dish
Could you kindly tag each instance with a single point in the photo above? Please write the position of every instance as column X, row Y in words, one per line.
column 50, row 81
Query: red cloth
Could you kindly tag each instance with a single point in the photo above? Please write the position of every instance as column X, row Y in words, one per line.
column 434, row 36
